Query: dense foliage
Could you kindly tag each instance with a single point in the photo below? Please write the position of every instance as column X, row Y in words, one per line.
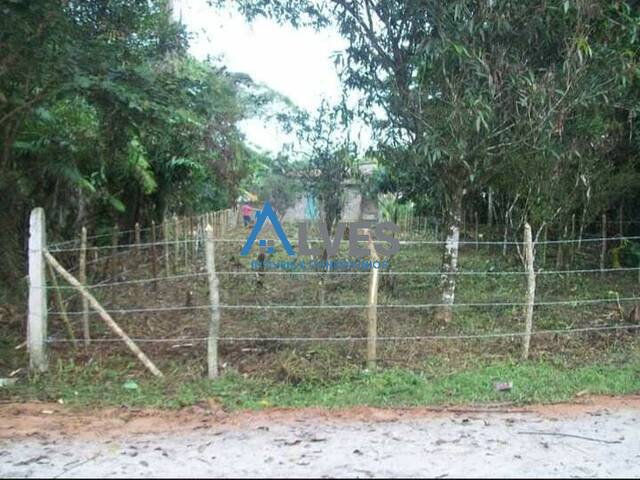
column 106, row 119
column 533, row 101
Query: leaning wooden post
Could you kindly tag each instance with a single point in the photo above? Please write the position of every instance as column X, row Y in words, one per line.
column 154, row 256
column 214, row 301
column 37, row 315
column 372, row 308
column 115, row 328
column 531, row 290
column 165, row 230
column 603, row 252
column 63, row 310
column 82, row 276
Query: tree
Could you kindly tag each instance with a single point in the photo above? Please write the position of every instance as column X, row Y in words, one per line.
column 526, row 100
column 329, row 163
column 105, row 118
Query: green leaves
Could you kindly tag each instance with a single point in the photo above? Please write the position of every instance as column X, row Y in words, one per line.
column 140, row 167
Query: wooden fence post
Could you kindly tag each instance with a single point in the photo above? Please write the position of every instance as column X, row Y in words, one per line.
column 506, row 234
column 531, row 290
column 165, row 231
column 214, row 301
column 137, row 240
column 372, row 309
column 115, row 328
column 544, row 247
column 114, row 250
column 37, row 316
column 82, row 276
column 193, row 237
column 463, row 232
column 477, row 227
column 603, row 252
column 621, row 220
column 154, row 257
column 572, row 237
column 176, row 239
column 186, row 237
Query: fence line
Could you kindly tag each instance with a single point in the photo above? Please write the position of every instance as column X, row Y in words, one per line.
column 196, row 217
column 333, row 272
column 401, row 242
column 363, row 339
column 176, row 234
column 589, row 301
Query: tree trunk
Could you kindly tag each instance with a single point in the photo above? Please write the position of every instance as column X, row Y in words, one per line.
column 450, row 258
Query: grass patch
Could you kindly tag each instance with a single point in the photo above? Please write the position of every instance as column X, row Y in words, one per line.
column 541, row 381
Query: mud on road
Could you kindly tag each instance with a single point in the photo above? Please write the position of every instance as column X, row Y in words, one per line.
column 598, row 437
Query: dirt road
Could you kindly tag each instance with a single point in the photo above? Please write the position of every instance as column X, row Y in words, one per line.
column 600, row 437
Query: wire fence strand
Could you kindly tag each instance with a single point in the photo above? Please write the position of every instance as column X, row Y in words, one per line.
column 469, row 336
column 574, row 302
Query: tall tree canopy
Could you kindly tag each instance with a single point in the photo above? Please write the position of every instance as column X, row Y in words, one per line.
column 532, row 102
column 105, row 118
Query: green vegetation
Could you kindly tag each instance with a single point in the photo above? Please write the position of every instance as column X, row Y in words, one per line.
column 500, row 113
column 540, row 382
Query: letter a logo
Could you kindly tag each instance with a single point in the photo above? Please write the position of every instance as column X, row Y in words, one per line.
column 267, row 246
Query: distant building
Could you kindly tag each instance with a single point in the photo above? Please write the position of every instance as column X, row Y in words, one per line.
column 355, row 207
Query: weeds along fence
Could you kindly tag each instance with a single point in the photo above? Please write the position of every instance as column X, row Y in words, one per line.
column 180, row 292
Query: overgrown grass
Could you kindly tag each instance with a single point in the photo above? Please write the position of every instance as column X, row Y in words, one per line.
column 330, row 374
column 533, row 382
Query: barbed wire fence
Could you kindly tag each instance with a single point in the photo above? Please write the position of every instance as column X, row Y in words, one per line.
column 191, row 242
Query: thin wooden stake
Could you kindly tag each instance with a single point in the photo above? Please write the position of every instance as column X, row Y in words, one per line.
column 621, row 220
column 544, row 248
column 154, row 256
column 37, row 312
column 193, row 236
column 214, row 301
column 531, row 290
column 165, row 230
column 186, row 237
column 137, row 229
column 506, row 234
column 475, row 215
column 603, row 252
column 176, row 239
column 573, row 233
column 372, row 309
column 115, row 328
column 82, row 276
column 114, row 250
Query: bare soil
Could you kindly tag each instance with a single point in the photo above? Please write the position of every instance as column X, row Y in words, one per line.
column 600, row 436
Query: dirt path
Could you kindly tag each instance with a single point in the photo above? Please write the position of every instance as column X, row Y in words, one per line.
column 600, row 437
